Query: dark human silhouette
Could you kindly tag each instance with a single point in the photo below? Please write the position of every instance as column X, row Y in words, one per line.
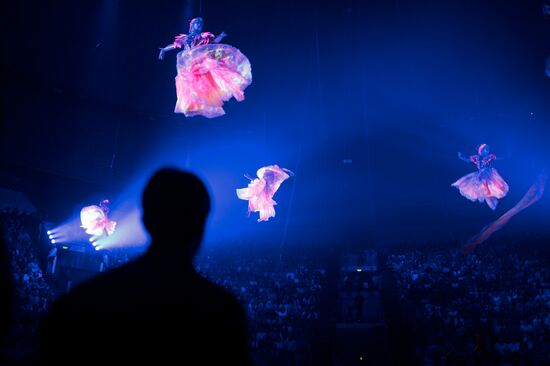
column 157, row 307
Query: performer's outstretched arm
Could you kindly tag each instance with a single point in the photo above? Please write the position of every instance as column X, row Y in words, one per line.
column 219, row 37
column 288, row 171
column 463, row 158
column 170, row 47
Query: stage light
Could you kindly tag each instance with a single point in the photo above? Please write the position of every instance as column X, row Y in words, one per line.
column 92, row 240
column 48, row 232
column 53, row 241
column 50, row 236
column 359, row 270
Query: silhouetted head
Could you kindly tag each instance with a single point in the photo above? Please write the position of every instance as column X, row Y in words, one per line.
column 483, row 150
column 195, row 25
column 175, row 207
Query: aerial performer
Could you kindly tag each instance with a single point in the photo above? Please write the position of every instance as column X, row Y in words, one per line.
column 95, row 219
column 260, row 191
column 209, row 73
column 533, row 194
column 485, row 184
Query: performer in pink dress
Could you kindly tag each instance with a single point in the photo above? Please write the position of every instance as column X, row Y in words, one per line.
column 485, row 184
column 95, row 219
column 260, row 191
column 209, row 73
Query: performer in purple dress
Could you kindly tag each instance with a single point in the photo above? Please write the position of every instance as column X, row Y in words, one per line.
column 485, row 184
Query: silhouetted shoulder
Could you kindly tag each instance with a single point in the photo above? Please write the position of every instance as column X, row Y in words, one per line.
column 144, row 306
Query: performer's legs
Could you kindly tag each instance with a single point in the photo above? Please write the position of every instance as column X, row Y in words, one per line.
column 492, row 202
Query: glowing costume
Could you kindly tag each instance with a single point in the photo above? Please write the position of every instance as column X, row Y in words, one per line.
column 485, row 184
column 209, row 73
column 95, row 219
column 260, row 191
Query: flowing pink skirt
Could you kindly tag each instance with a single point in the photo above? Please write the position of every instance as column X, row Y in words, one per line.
column 484, row 185
column 259, row 199
column 208, row 76
column 95, row 222
column 260, row 191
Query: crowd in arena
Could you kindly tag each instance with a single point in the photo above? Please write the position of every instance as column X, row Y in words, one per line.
column 488, row 307
column 282, row 300
column 22, row 232
column 281, row 296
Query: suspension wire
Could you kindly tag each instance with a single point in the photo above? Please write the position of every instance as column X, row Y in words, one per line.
column 306, row 114
column 115, row 148
column 367, row 131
